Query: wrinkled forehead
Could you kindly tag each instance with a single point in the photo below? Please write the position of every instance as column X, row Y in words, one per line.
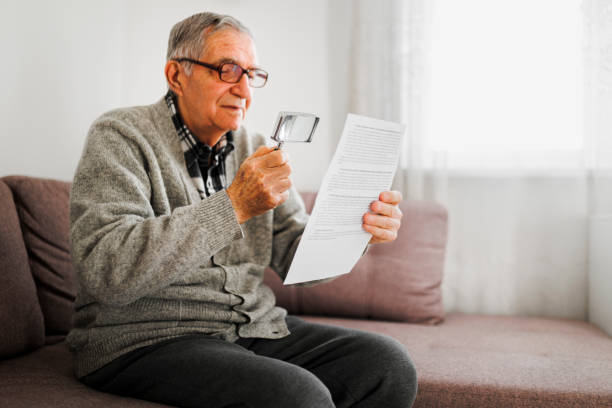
column 229, row 45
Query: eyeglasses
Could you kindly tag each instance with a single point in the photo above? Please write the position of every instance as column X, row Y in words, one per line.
column 232, row 73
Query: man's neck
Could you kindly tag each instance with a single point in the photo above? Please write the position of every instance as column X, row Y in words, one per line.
column 210, row 141
column 209, row 137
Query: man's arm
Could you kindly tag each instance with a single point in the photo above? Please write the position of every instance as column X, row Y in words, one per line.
column 123, row 251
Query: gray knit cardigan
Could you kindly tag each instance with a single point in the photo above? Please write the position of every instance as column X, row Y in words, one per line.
column 154, row 261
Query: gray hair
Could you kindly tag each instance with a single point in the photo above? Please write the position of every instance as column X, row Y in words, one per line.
column 188, row 37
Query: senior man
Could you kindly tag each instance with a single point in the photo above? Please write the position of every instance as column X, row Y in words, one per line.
column 175, row 213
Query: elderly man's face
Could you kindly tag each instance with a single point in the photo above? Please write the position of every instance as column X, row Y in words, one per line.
column 209, row 106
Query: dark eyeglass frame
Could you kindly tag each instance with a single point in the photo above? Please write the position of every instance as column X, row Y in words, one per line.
column 219, row 68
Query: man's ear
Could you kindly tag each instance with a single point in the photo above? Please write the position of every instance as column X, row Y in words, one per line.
column 175, row 76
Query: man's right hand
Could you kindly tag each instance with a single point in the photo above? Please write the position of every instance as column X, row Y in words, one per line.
column 261, row 183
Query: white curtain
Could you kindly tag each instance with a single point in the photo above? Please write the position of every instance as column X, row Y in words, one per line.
column 519, row 238
column 390, row 60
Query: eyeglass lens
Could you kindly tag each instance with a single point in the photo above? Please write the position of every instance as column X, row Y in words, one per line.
column 232, row 73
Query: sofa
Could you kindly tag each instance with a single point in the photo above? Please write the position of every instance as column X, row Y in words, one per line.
column 463, row 360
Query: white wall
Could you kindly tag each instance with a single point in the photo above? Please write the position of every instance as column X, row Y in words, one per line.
column 59, row 71
column 66, row 62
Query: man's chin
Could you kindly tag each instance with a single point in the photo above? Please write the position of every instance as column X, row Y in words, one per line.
column 230, row 123
column 234, row 124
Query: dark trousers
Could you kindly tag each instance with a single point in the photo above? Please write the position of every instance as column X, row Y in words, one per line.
column 316, row 366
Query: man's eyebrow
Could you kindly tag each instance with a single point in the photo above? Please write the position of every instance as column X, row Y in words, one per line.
column 232, row 61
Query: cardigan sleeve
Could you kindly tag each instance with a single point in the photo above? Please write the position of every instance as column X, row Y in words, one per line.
column 121, row 248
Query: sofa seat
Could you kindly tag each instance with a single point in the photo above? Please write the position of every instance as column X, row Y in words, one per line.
column 44, row 378
column 468, row 361
column 503, row 361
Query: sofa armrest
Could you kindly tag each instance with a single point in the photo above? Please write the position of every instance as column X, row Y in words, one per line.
column 600, row 278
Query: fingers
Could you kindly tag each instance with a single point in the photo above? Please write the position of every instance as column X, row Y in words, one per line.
column 385, row 219
column 381, row 221
column 261, row 183
column 281, row 171
column 270, row 157
column 389, row 210
column 390, row 197
column 275, row 158
column 262, row 150
column 278, row 183
column 380, row 234
column 272, row 166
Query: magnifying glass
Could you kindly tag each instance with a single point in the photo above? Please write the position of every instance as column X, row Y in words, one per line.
column 294, row 127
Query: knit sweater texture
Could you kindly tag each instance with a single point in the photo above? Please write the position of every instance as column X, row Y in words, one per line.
column 155, row 261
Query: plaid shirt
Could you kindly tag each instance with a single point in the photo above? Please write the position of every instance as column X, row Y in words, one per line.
column 206, row 165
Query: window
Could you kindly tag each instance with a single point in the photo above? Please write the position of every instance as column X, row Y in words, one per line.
column 507, row 84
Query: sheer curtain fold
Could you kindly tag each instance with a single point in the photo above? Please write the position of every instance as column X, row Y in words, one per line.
column 390, row 46
column 520, row 242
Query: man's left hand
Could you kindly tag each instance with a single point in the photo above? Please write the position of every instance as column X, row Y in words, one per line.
column 384, row 219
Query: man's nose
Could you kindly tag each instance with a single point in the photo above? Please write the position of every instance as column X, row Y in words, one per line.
column 242, row 87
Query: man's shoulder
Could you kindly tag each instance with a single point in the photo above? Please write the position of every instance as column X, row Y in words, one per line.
column 134, row 115
column 128, row 140
column 145, row 125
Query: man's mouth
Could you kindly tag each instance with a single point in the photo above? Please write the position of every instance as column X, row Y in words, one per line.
column 233, row 107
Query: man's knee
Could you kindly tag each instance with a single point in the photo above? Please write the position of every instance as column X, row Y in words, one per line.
column 295, row 387
column 392, row 367
column 401, row 371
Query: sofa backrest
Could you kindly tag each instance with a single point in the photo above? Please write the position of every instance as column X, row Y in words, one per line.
column 42, row 208
column 397, row 281
column 20, row 314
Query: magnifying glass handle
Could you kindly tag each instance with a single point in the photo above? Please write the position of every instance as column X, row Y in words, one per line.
column 280, row 144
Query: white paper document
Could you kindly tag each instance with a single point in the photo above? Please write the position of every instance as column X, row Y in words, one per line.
column 362, row 167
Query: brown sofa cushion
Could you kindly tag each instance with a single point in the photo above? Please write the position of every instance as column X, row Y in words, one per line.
column 503, row 361
column 20, row 314
column 394, row 281
column 43, row 211
column 44, row 378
